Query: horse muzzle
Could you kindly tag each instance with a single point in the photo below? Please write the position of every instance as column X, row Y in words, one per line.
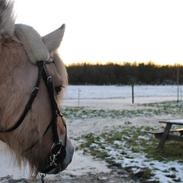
column 59, row 158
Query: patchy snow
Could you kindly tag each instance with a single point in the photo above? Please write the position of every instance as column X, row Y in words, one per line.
column 83, row 164
column 121, row 154
column 163, row 171
column 106, row 97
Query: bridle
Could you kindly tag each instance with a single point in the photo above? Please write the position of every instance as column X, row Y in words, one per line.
column 58, row 149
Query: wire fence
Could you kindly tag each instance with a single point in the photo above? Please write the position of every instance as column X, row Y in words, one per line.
column 130, row 94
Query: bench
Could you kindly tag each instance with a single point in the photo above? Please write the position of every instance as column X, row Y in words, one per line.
column 180, row 130
column 168, row 134
column 158, row 134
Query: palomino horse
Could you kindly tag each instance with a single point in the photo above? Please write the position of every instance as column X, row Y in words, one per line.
column 32, row 78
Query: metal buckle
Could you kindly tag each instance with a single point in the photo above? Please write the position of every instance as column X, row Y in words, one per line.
column 42, row 175
column 55, row 152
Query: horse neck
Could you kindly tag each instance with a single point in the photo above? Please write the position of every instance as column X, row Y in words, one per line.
column 13, row 86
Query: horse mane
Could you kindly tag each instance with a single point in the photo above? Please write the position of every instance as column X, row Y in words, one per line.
column 29, row 38
column 7, row 21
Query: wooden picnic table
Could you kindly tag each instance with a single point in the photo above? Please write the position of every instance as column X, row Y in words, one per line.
column 169, row 134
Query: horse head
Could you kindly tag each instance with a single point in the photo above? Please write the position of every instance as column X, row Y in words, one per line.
column 32, row 80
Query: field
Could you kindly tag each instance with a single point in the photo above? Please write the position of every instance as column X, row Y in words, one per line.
column 112, row 136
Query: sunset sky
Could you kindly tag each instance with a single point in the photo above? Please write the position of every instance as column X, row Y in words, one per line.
column 110, row 30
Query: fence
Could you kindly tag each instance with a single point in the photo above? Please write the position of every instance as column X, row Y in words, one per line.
column 125, row 94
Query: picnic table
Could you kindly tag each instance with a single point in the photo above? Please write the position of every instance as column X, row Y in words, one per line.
column 169, row 134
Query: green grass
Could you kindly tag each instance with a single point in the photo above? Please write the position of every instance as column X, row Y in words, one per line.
column 138, row 140
column 129, row 140
column 147, row 110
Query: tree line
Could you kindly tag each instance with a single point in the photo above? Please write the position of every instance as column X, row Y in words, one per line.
column 125, row 74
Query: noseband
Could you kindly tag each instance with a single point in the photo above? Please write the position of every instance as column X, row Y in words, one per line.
column 58, row 149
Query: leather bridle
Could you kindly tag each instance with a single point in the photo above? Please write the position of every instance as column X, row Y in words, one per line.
column 58, row 149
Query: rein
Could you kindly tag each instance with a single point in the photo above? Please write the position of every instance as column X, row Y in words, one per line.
column 58, row 149
column 28, row 105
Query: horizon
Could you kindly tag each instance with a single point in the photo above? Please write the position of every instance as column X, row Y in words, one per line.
column 105, row 30
column 122, row 63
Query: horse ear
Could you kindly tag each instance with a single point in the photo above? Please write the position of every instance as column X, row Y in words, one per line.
column 53, row 39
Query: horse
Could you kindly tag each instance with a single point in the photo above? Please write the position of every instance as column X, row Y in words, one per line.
column 32, row 80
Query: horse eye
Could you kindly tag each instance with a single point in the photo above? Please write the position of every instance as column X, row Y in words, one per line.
column 58, row 89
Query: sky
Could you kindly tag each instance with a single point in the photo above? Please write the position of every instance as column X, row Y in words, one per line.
column 110, row 30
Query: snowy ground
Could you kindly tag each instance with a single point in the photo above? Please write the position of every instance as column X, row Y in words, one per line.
column 119, row 96
column 112, row 92
column 84, row 167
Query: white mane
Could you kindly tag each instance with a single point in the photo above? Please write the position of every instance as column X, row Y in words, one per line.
column 7, row 20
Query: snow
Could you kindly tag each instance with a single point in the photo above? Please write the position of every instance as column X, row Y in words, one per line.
column 83, row 164
column 105, row 97
column 112, row 92
column 111, row 97
column 161, row 170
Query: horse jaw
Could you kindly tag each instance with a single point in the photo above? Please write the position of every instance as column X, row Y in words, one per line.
column 53, row 39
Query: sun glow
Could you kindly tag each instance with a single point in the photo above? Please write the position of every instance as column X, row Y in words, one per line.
column 111, row 31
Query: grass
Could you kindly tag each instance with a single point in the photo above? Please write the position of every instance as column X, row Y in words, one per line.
column 137, row 139
column 149, row 110
column 125, row 142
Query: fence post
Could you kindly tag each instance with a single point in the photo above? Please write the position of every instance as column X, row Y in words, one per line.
column 132, row 93
column 79, row 91
column 178, row 87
